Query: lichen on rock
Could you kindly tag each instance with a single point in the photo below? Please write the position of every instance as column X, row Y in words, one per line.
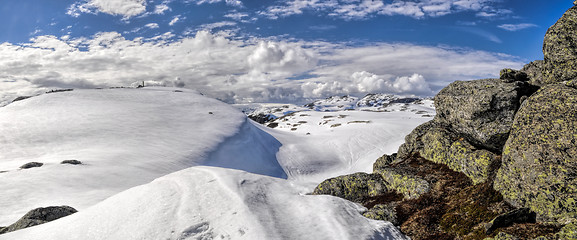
column 481, row 110
column 540, row 158
column 355, row 187
column 560, row 49
column 442, row 146
column 404, row 182
column 384, row 161
column 384, row 212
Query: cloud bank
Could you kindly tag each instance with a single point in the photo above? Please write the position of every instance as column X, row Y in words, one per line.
column 236, row 70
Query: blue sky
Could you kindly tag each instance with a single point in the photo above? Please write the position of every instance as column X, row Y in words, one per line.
column 246, row 50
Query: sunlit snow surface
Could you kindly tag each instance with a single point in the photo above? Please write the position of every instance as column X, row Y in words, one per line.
column 162, row 163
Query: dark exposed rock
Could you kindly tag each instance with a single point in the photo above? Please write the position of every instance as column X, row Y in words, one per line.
column 31, row 165
column 20, row 98
column 262, row 118
column 384, row 161
column 522, row 215
column 73, row 162
column 534, row 71
column 508, row 75
column 39, row 216
column 540, row 158
column 272, row 125
column 560, row 49
column 385, row 212
column 482, row 110
column 356, row 187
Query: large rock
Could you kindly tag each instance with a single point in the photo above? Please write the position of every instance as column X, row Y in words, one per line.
column 482, row 110
column 560, row 49
column 534, row 71
column 356, row 187
column 434, row 142
column 39, row 216
column 539, row 166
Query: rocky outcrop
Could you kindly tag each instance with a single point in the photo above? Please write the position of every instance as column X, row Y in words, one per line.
column 356, row 187
column 482, row 110
column 39, row 216
column 560, row 49
column 540, row 157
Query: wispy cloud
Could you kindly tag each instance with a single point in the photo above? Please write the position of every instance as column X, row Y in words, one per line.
column 236, row 70
column 516, row 27
column 362, row 9
column 174, row 20
column 152, row 25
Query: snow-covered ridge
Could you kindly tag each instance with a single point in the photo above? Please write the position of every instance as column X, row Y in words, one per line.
column 266, row 112
column 164, row 163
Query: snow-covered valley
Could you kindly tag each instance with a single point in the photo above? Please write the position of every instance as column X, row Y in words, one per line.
column 167, row 163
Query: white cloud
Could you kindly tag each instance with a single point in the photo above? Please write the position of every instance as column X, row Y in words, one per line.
column 361, row 9
column 152, row 25
column 161, row 9
column 516, row 27
column 124, row 8
column 372, row 83
column 239, row 70
column 174, row 20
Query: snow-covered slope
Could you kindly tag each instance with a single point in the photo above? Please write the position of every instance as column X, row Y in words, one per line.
column 218, row 175
column 124, row 137
column 320, row 145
